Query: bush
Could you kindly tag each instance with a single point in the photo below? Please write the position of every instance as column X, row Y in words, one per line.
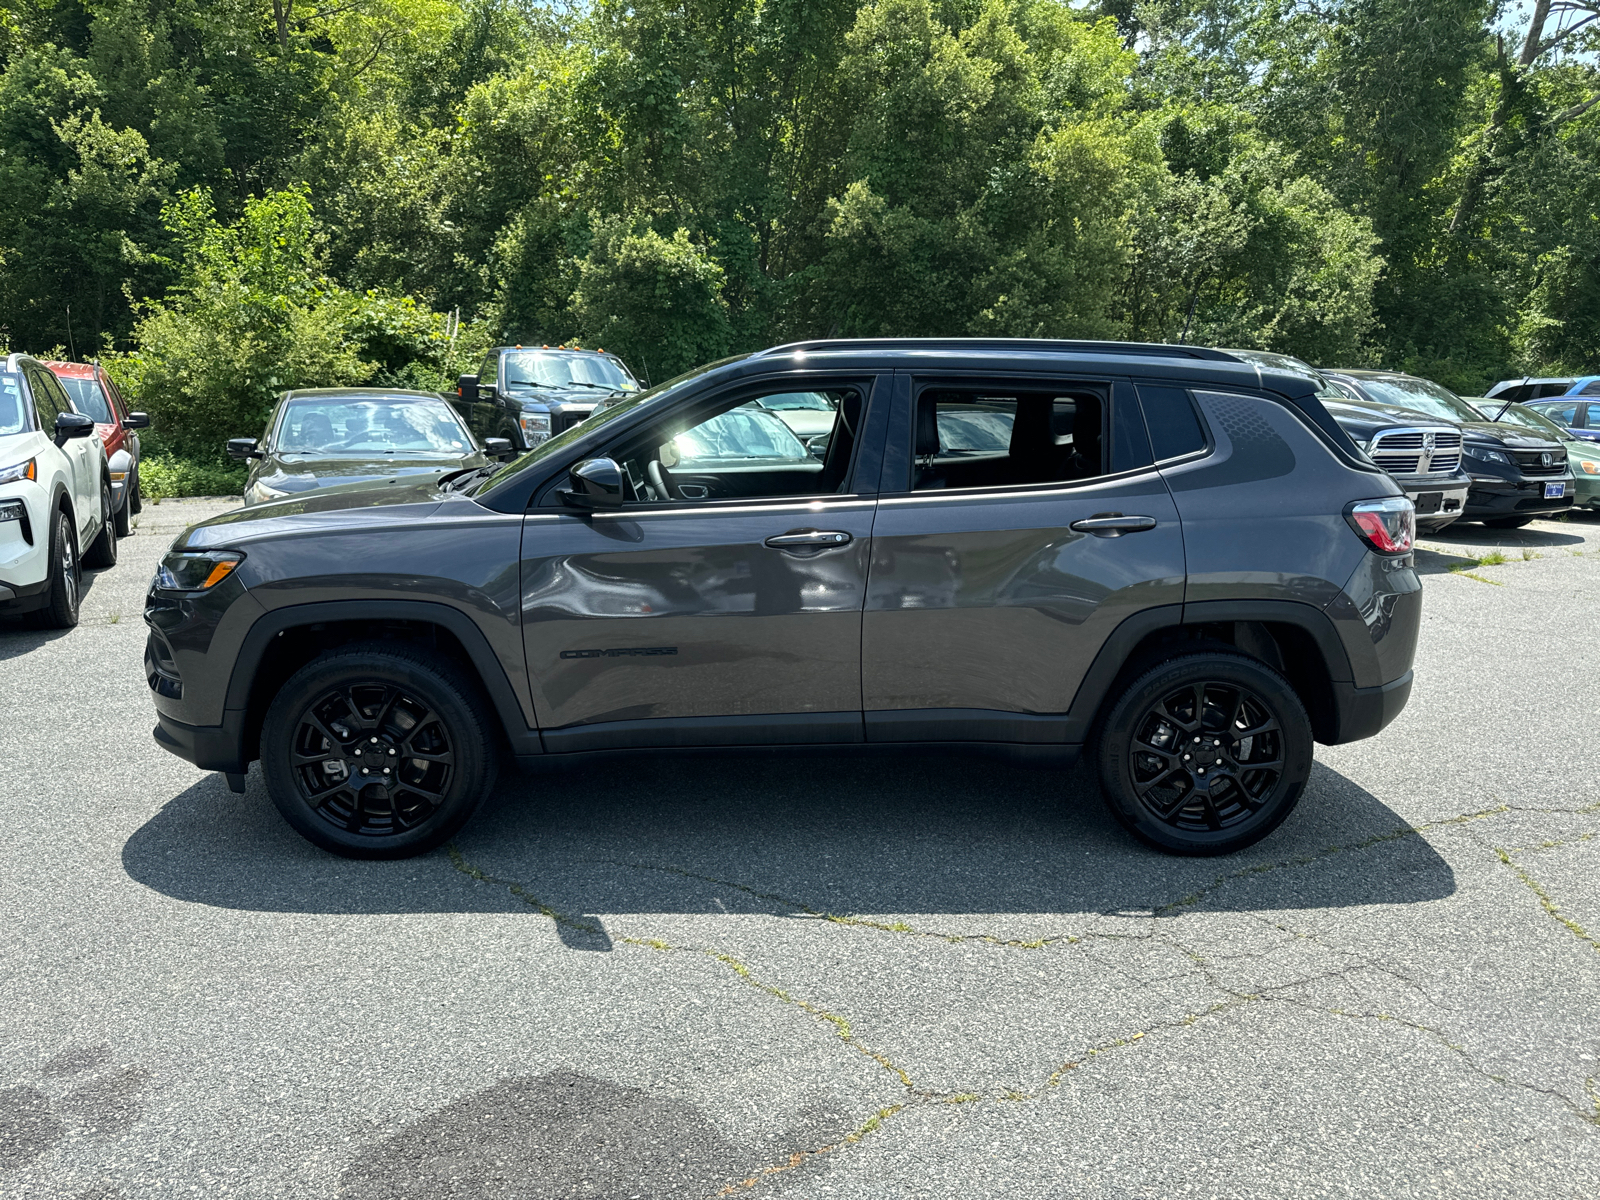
column 162, row 477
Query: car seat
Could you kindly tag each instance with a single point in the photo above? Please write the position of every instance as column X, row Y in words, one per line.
column 316, row 432
column 926, row 449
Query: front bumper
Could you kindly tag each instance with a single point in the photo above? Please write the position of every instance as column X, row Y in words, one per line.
column 1516, row 498
column 24, row 546
column 209, row 747
column 1444, row 501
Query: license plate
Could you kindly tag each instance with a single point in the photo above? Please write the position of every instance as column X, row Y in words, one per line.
column 1554, row 491
column 1427, row 502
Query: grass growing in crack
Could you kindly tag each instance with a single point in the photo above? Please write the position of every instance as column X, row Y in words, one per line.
column 1492, row 559
column 1545, row 902
column 742, row 971
column 115, row 618
column 1529, row 554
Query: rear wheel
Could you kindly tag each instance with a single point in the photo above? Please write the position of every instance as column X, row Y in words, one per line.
column 378, row 751
column 103, row 550
column 124, row 516
column 135, row 501
column 1506, row 522
column 65, row 576
column 1205, row 754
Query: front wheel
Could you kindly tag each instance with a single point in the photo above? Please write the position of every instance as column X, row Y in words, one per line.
column 65, row 575
column 1205, row 754
column 377, row 751
column 1507, row 522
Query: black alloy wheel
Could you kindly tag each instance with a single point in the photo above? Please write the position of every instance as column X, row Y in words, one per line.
column 377, row 751
column 1205, row 754
column 102, row 551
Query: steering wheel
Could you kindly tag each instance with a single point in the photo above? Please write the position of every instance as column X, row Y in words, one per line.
column 661, row 480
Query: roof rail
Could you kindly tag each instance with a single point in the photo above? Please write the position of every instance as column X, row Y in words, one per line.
column 1140, row 349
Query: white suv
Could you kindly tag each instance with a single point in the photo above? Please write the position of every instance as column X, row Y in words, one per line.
column 55, row 495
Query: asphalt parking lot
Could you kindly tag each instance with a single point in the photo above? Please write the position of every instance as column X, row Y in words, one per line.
column 815, row 975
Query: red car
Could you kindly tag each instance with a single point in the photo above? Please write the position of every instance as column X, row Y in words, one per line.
column 94, row 394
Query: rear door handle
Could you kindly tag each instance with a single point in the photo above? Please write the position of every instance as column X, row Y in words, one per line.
column 809, row 539
column 1113, row 524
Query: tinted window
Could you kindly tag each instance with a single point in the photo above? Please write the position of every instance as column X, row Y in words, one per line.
column 88, row 399
column 1174, row 427
column 1591, row 389
column 1006, row 438
column 49, row 405
column 1556, row 387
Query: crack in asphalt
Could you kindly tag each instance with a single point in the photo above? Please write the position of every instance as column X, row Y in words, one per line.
column 919, row 1097
column 1538, row 889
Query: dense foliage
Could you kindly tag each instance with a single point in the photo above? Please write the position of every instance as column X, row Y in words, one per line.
column 229, row 197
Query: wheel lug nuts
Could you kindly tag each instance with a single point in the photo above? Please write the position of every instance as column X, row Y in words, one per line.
column 374, row 741
column 1202, row 770
column 386, row 770
column 363, row 770
column 1197, row 740
column 1185, row 758
column 391, row 751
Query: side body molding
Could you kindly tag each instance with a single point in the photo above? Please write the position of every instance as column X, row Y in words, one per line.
column 497, row 686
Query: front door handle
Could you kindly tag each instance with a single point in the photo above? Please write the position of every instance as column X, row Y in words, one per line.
column 1112, row 524
column 809, row 539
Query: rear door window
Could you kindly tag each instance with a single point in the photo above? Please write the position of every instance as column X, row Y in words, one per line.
column 1561, row 414
column 1004, row 435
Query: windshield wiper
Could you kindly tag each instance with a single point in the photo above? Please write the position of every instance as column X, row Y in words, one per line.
column 458, row 480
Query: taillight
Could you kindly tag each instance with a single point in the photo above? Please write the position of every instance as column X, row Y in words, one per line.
column 1389, row 525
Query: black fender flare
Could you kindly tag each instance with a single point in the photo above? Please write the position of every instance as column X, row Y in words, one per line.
column 1117, row 650
column 491, row 673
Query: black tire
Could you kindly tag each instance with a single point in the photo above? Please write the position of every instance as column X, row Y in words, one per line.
column 102, row 552
column 124, row 515
column 1157, row 795
column 1507, row 522
column 135, row 503
column 65, row 574
column 364, row 707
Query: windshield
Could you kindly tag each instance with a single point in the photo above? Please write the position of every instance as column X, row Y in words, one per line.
column 13, row 409
column 742, row 434
column 1420, row 395
column 566, row 368
column 88, row 398
column 1517, row 414
column 791, row 401
column 357, row 426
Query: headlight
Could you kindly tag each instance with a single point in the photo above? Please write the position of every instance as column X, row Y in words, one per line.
column 23, row 470
column 263, row 492
column 195, row 572
column 1485, row 455
column 535, row 427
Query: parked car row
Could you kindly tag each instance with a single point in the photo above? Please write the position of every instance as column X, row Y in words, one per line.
column 1455, row 461
column 69, row 470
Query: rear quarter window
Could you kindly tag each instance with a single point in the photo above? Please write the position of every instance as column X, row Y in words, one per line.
column 1175, row 428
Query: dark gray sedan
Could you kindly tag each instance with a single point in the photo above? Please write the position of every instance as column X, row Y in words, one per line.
column 324, row 437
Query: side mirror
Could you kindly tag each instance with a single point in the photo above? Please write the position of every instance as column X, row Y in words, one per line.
column 137, row 421
column 596, row 483
column 73, row 425
column 499, row 448
column 243, row 448
column 467, row 388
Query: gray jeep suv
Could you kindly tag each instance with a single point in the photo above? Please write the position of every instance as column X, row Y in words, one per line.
column 1161, row 554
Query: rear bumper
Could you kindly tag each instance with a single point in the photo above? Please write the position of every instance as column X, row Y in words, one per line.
column 209, row 747
column 1361, row 712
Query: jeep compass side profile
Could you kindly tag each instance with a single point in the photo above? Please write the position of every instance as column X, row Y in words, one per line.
column 1172, row 559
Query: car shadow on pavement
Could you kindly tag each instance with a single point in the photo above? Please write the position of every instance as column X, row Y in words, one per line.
column 791, row 834
column 19, row 635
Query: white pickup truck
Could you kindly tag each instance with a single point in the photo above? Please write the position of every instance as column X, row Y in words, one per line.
column 55, row 496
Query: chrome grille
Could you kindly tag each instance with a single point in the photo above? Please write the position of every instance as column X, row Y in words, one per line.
column 1425, row 451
